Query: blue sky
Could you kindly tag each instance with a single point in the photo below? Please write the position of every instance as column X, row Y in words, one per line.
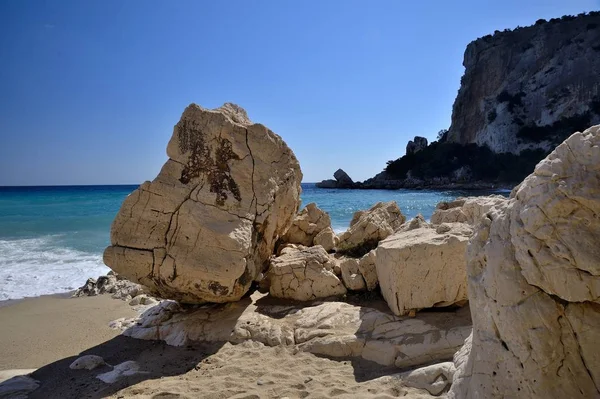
column 91, row 89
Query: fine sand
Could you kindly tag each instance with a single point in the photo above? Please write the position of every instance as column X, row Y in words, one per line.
column 49, row 333
column 38, row 331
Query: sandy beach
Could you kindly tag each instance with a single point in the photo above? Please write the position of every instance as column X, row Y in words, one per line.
column 48, row 333
column 38, row 331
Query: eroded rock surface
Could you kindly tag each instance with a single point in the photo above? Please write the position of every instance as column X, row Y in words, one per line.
column 307, row 225
column 351, row 276
column 424, row 267
column 534, row 284
column 369, row 227
column 303, row 274
column 465, row 210
column 117, row 286
column 205, row 228
column 334, row 329
column 327, row 239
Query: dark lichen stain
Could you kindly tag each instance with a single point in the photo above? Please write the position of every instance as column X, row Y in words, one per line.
column 217, row 288
column 192, row 139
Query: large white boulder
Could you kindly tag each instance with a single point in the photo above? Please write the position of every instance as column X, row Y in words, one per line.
column 534, row 285
column 423, row 267
column 205, row 228
column 303, row 274
column 369, row 227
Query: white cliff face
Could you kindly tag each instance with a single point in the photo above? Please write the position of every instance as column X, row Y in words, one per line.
column 534, row 284
column 539, row 76
column 205, row 228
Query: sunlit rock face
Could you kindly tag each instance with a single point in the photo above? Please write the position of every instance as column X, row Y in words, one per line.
column 205, row 227
column 531, row 87
column 534, row 284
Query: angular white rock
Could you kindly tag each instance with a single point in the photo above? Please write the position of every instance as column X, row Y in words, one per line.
column 366, row 266
column 327, row 239
column 424, row 267
column 468, row 210
column 369, row 227
column 351, row 276
column 303, row 274
column 307, row 225
column 534, row 284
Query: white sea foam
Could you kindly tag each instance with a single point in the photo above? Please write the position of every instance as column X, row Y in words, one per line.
column 36, row 266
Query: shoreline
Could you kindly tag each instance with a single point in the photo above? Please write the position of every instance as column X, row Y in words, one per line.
column 10, row 302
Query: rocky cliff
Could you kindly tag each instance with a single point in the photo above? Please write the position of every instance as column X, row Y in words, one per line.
column 531, row 87
column 524, row 91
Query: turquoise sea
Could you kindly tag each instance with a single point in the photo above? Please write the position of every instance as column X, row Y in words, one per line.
column 52, row 238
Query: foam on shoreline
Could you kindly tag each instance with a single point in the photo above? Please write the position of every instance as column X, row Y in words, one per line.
column 33, row 267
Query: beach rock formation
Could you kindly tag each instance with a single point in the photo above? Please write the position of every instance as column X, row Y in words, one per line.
column 366, row 266
column 531, row 87
column 342, row 180
column 332, row 329
column 327, row 239
column 351, row 275
column 417, row 222
column 424, row 267
column 468, row 210
column 303, row 274
column 534, row 284
column 205, row 228
column 307, row 225
column 117, row 286
column 435, row 378
column 417, row 145
column 369, row 227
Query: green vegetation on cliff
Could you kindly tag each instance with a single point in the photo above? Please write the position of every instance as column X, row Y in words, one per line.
column 442, row 159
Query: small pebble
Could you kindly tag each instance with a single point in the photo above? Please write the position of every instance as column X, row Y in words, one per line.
column 260, row 382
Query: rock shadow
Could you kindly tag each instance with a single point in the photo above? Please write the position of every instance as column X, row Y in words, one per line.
column 156, row 359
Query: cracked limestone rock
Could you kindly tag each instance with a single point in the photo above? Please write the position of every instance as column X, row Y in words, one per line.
column 205, row 228
column 333, row 329
column 327, row 239
column 303, row 274
column 465, row 210
column 351, row 276
column 369, row 227
column 534, row 285
column 119, row 287
column 368, row 270
column 424, row 267
column 307, row 225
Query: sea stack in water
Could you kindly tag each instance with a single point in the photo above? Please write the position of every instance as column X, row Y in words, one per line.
column 534, row 284
column 205, row 228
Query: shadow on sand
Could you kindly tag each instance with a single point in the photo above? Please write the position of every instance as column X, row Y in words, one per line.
column 157, row 359
column 57, row 380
